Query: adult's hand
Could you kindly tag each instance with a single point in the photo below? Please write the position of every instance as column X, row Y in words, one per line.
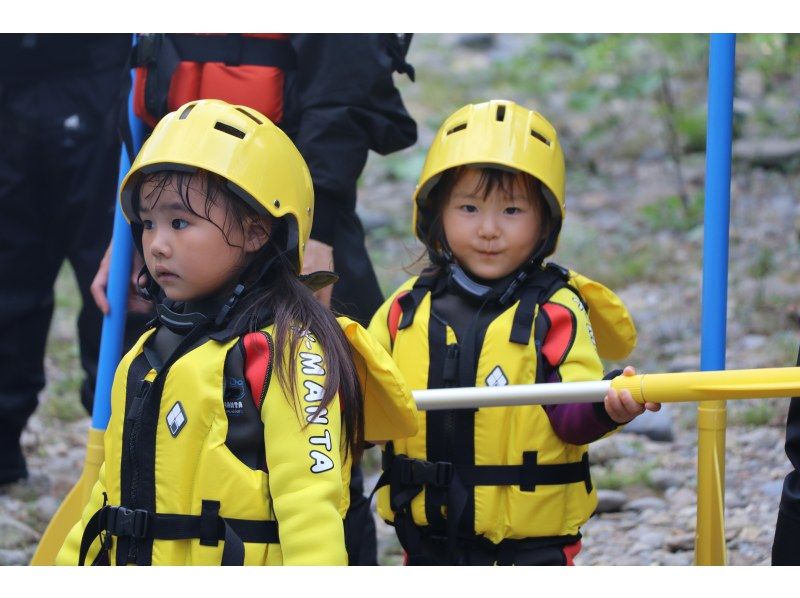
column 100, row 284
column 319, row 256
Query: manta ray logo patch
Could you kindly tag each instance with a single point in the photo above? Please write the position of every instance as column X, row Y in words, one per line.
column 176, row 419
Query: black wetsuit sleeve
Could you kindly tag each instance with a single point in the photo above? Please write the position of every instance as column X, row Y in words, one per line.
column 348, row 105
column 786, row 548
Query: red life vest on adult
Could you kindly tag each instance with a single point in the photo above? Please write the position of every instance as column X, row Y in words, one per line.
column 239, row 68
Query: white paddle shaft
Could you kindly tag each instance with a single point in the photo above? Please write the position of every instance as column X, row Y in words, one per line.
column 506, row 396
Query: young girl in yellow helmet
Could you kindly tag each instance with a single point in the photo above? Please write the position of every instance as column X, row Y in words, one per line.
column 236, row 417
column 505, row 485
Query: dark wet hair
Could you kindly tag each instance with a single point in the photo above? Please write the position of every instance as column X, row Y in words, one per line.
column 432, row 234
column 212, row 186
column 279, row 295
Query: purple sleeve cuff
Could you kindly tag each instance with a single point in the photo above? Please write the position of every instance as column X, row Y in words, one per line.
column 580, row 423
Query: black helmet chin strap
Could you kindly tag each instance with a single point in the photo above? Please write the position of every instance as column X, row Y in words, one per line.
column 240, row 288
column 179, row 323
column 150, row 290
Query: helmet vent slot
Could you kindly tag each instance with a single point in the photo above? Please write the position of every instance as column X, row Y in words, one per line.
column 457, row 128
column 541, row 137
column 250, row 116
column 501, row 112
column 229, row 130
column 186, row 111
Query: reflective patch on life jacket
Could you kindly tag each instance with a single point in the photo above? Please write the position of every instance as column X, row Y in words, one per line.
column 496, row 377
column 176, row 419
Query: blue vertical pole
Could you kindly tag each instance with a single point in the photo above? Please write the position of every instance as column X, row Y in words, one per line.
column 113, row 333
column 717, row 201
column 710, row 535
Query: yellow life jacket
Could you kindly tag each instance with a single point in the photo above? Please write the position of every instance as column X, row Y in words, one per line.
column 503, row 471
column 209, row 460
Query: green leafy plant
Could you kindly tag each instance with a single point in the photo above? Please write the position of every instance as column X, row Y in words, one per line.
column 672, row 213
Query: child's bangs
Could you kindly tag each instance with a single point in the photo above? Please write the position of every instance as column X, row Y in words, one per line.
column 212, row 187
column 205, row 183
column 506, row 182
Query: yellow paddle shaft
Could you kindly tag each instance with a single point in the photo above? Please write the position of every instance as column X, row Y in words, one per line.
column 712, row 386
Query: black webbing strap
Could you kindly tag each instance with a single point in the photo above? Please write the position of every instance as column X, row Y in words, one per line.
column 523, row 316
column 528, row 475
column 409, row 472
column 539, row 288
column 411, row 300
column 209, row 527
column 406, row 479
column 541, row 329
column 233, row 49
column 439, row 424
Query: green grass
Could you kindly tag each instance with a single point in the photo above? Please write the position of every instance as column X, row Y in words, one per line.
column 62, row 393
column 611, row 479
column 762, row 264
column 759, row 413
column 64, row 404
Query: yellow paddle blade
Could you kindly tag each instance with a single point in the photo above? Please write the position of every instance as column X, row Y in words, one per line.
column 72, row 506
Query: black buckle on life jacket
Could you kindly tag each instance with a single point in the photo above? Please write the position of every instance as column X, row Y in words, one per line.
column 451, row 360
column 417, row 471
column 134, row 523
column 587, row 476
column 528, row 471
column 209, row 523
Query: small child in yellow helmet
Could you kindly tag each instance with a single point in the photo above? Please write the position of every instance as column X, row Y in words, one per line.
column 504, row 485
column 236, row 417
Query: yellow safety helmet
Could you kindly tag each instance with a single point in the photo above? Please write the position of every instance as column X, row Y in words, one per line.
column 499, row 134
column 260, row 163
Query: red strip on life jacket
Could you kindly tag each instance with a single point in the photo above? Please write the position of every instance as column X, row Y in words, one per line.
column 257, row 364
column 561, row 335
column 395, row 313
